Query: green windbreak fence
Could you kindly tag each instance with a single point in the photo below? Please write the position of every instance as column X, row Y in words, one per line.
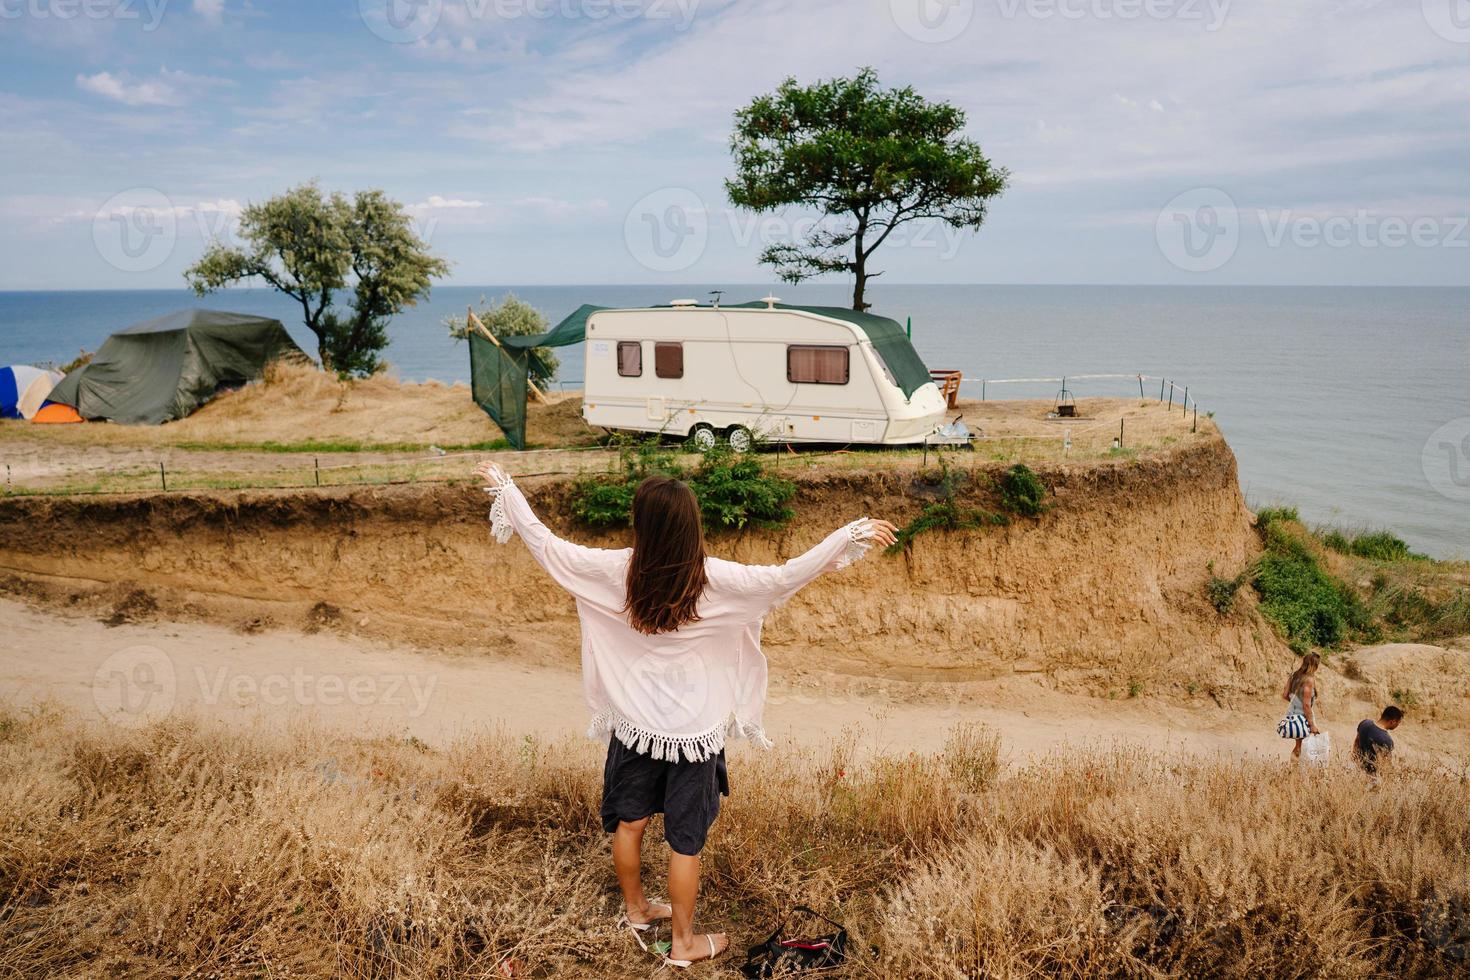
column 498, row 373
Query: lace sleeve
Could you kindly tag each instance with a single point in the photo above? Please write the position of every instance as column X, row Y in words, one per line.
column 859, row 540
column 500, row 526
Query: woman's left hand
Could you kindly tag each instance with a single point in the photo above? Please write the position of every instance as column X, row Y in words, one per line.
column 492, row 474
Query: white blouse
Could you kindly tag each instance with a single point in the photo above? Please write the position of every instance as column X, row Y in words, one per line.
column 679, row 694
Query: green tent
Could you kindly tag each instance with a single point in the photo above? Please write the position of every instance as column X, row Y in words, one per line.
column 165, row 368
column 498, row 372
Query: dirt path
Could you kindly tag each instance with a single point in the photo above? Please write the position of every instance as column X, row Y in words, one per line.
column 144, row 671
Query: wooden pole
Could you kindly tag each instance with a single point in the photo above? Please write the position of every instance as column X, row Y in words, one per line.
column 474, row 321
column 1140, row 387
column 1161, row 389
column 162, row 476
column 1184, row 404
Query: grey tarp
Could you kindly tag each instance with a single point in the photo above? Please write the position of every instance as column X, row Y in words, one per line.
column 167, row 367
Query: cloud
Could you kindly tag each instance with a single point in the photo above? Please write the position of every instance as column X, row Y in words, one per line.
column 211, row 10
column 167, row 88
column 122, row 88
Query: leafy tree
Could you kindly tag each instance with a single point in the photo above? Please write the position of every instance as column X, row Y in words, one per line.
column 512, row 317
column 309, row 245
column 870, row 159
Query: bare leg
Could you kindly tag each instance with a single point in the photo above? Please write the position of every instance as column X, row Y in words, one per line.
column 683, row 891
column 1296, row 753
column 627, row 849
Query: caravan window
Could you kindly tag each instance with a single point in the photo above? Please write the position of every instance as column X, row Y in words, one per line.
column 668, row 360
column 816, row 365
column 630, row 358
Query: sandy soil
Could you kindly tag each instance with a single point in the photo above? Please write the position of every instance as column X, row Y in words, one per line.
column 142, row 671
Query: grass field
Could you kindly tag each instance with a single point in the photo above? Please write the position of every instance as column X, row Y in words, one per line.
column 186, row 849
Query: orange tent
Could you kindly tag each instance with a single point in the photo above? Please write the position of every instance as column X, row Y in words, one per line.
column 53, row 413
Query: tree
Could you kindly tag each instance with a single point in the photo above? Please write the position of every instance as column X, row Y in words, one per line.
column 309, row 246
column 512, row 317
column 869, row 159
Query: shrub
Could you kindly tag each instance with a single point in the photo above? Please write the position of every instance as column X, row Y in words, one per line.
column 1267, row 516
column 1022, row 492
column 1222, row 591
column 1307, row 604
column 1380, row 546
column 734, row 490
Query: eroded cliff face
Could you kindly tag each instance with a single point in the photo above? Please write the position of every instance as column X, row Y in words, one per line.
column 1105, row 588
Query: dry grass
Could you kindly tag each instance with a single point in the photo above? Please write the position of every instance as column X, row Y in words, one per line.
column 297, row 403
column 188, row 850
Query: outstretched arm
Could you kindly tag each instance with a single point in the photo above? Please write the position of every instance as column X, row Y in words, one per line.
column 573, row 566
column 762, row 587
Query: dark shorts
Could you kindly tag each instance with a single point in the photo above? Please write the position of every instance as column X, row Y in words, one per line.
column 688, row 794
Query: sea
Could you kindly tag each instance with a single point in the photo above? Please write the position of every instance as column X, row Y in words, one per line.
column 1350, row 403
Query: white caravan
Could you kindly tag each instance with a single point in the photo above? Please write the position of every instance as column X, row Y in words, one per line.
column 783, row 373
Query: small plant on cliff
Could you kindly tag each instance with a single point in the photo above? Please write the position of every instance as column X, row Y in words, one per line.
column 1022, row 492
column 1267, row 516
column 945, row 514
column 1222, row 591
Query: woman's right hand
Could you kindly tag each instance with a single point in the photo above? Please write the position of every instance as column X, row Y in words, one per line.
column 882, row 533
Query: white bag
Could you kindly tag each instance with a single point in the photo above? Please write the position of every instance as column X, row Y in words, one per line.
column 1317, row 748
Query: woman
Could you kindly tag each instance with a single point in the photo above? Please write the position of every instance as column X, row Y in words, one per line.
column 671, row 666
column 1301, row 694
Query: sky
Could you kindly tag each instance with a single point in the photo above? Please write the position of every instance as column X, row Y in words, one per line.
column 586, row 141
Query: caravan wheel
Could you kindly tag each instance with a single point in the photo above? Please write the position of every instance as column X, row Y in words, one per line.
column 740, row 439
column 703, row 438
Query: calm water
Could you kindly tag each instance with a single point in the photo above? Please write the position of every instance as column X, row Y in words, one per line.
column 1329, row 396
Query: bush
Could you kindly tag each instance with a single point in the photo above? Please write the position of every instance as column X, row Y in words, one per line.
column 1222, row 591
column 733, row 489
column 1022, row 492
column 1308, row 605
column 1267, row 516
column 1381, row 546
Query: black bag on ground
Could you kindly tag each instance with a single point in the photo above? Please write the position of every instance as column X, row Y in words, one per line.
column 781, row 955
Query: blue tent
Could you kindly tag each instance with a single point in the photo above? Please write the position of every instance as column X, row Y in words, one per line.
column 23, row 390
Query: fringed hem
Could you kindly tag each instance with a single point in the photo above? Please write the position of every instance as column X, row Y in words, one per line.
column 500, row 526
column 670, row 748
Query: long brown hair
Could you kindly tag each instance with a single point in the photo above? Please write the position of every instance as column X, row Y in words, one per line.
column 666, row 576
column 1308, row 668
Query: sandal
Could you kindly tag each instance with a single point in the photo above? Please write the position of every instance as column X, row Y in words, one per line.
column 686, row 964
column 639, row 928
